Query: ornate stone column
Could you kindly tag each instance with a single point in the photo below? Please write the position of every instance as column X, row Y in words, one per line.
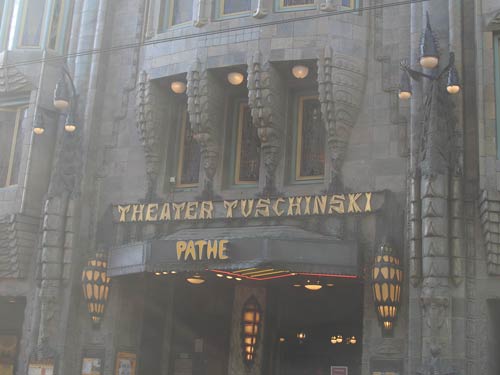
column 266, row 101
column 206, row 109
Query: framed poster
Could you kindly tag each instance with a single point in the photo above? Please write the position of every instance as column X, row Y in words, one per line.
column 92, row 366
column 41, row 368
column 126, row 363
column 339, row 370
column 8, row 353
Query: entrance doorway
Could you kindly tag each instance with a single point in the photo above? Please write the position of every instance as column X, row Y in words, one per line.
column 314, row 330
column 11, row 323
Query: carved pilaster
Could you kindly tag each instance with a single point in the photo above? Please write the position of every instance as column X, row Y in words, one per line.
column 200, row 13
column 490, row 221
column 148, row 123
column 262, row 9
column 267, row 107
column 341, row 81
column 205, row 108
column 415, row 231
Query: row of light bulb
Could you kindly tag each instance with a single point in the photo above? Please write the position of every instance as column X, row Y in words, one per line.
column 334, row 340
column 237, row 78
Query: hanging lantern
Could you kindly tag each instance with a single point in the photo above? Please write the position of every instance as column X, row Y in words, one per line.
column 404, row 86
column 250, row 325
column 453, row 84
column 387, row 279
column 95, row 284
column 429, row 50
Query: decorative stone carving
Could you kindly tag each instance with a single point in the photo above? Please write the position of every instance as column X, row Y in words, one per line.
column 148, row 123
column 261, row 10
column 267, row 108
column 17, row 243
column 200, row 17
column 12, row 80
column 436, row 365
column 205, row 109
column 341, row 82
column 489, row 208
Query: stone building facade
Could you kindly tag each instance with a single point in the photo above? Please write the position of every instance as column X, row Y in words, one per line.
column 289, row 181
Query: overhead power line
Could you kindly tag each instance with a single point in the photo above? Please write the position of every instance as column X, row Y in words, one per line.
column 214, row 32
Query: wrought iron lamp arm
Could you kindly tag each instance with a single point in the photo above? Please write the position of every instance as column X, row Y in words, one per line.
column 417, row 75
column 73, row 88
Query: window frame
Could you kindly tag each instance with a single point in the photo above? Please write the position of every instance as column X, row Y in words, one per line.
column 279, row 6
column 496, row 67
column 167, row 16
column 180, row 156
column 297, row 137
column 14, row 25
column 239, row 107
column 22, row 26
column 220, row 4
column 354, row 4
column 15, row 134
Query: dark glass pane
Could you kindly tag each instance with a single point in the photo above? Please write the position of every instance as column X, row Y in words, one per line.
column 290, row 3
column 189, row 168
column 311, row 140
column 7, row 126
column 346, row 3
column 248, row 157
column 55, row 24
column 235, row 6
column 32, row 22
column 182, row 11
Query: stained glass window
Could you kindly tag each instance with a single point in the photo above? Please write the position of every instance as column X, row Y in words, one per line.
column 235, row 6
column 310, row 161
column 55, row 29
column 188, row 170
column 32, row 22
column 10, row 145
column 181, row 11
column 247, row 148
column 292, row 3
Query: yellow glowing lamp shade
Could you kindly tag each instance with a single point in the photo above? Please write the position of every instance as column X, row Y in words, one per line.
column 301, row 335
column 300, row 71
column 453, row 89
column 38, row 130
column 195, row 280
column 61, row 104
column 429, row 62
column 70, row 128
column 250, row 329
column 387, row 280
column 96, row 286
column 313, row 286
column 404, row 95
column 178, row 87
column 235, row 78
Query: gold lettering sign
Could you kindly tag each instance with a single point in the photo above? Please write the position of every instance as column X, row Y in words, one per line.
column 332, row 204
column 201, row 250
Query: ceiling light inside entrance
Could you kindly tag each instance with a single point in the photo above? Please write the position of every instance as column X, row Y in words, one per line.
column 300, row 71
column 195, row 279
column 235, row 78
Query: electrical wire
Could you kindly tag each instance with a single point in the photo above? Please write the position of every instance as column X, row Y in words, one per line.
column 212, row 32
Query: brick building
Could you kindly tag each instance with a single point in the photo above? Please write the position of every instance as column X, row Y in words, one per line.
column 246, row 175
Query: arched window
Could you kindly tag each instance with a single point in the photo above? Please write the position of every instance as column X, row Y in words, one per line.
column 310, row 140
column 188, row 169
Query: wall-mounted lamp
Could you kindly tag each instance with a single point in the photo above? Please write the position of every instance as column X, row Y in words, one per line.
column 387, row 279
column 96, row 286
column 64, row 100
column 250, row 329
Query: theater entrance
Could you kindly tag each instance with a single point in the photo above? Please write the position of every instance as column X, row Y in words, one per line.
column 304, row 331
